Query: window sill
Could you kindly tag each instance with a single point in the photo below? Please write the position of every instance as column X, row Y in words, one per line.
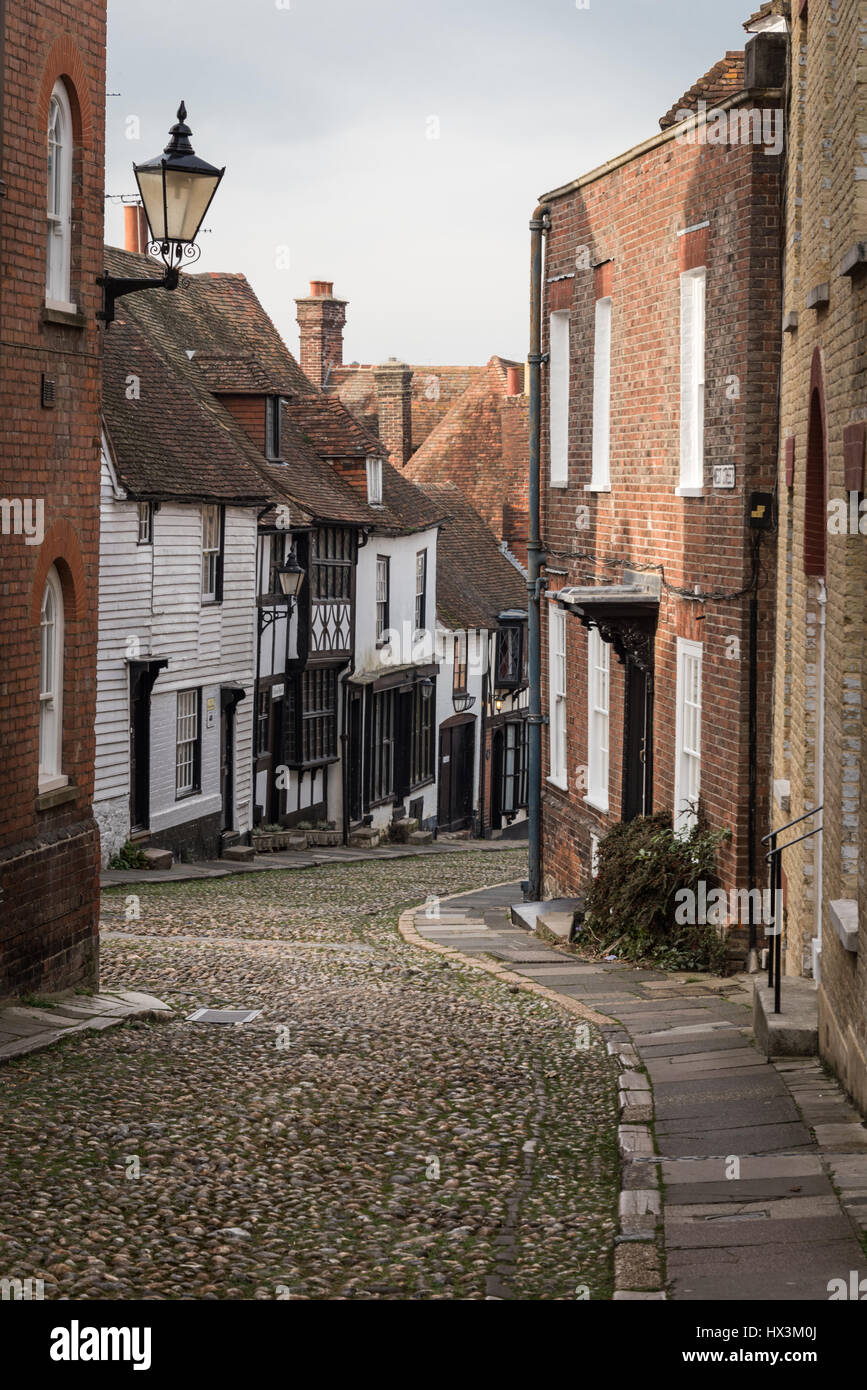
column 55, row 792
column 597, row 487
column 559, row 482
column 689, row 492
column 560, row 783
column 188, row 796
column 598, row 803
column 68, row 315
column 417, row 786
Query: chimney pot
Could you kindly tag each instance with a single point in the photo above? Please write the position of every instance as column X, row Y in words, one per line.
column 135, row 228
column 514, row 381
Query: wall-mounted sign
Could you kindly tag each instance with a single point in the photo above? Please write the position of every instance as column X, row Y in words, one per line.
column 277, row 692
column 210, row 712
column 723, row 475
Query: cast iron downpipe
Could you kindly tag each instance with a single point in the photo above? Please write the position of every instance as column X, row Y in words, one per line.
column 538, row 226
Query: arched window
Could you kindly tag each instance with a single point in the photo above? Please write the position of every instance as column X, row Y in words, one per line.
column 51, row 684
column 59, row 205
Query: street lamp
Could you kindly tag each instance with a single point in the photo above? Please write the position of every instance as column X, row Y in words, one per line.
column 290, row 576
column 176, row 190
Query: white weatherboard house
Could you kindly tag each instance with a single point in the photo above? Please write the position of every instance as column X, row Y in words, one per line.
column 181, row 492
column 482, row 686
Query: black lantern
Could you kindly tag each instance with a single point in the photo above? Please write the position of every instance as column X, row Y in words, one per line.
column 176, row 190
column 290, row 576
column 427, row 688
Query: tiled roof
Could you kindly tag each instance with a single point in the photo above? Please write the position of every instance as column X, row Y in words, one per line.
column 168, row 436
column 482, row 446
column 217, row 316
column 434, row 391
column 723, row 80
column 214, row 337
column 331, row 428
column 475, row 580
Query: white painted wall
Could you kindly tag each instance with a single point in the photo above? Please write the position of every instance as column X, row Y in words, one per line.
column 150, row 606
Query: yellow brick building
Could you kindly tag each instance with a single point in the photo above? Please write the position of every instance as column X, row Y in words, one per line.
column 821, row 659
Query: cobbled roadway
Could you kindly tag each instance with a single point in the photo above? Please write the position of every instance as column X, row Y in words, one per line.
column 393, row 1126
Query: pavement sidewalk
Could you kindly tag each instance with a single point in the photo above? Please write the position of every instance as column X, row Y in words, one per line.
column 300, row 859
column 749, row 1152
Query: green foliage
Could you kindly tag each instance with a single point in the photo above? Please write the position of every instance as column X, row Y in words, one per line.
column 128, row 857
column 630, row 906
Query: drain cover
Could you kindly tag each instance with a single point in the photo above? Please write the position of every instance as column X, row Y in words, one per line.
column 222, row 1015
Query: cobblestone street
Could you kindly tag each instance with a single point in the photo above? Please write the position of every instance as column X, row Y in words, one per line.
column 391, row 1126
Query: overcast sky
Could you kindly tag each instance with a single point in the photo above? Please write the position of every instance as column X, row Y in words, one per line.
column 397, row 147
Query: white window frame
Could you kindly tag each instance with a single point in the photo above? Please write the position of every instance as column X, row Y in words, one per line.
column 687, row 748
column 600, row 474
column 382, row 596
column 187, row 735
column 420, row 590
column 145, row 523
column 557, row 674
column 559, row 328
column 598, row 720
column 211, row 549
column 374, row 481
column 51, row 626
column 693, row 299
column 58, row 210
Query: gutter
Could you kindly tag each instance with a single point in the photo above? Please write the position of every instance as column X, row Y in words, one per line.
column 539, row 224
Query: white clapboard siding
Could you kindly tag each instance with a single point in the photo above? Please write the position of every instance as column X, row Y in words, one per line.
column 150, row 607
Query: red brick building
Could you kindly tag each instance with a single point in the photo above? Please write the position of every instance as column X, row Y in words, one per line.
column 661, row 315
column 52, row 108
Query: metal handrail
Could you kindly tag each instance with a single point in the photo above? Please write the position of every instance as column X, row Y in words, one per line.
column 774, row 858
column 797, row 821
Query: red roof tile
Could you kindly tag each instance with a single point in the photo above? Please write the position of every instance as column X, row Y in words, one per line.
column 723, row 80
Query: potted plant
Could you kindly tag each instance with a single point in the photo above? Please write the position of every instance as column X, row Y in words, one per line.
column 325, row 834
column 262, row 839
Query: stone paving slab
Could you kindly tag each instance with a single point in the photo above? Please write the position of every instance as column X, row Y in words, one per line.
column 30, row 1029
column 747, row 1189
column 798, row 1233
column 750, row 1139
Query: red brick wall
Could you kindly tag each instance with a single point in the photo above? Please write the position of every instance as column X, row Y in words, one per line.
column 630, row 218
column 49, row 854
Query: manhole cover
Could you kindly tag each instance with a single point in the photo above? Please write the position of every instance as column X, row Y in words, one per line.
column 222, row 1015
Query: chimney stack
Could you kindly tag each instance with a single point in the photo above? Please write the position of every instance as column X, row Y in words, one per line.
column 320, row 320
column 514, row 381
column 135, row 228
column 394, row 408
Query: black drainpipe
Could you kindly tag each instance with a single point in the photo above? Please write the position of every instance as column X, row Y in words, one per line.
column 538, row 226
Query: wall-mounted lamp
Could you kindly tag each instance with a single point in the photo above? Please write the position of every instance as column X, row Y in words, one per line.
column 176, row 190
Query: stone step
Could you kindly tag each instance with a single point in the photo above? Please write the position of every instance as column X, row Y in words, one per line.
column 421, row 837
column 158, row 858
column 239, row 854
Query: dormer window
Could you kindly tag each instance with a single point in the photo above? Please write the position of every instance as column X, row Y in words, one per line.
column 374, row 482
column 273, row 442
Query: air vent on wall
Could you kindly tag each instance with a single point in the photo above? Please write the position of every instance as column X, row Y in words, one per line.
column 49, row 392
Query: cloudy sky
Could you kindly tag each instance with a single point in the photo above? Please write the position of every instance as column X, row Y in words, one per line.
column 397, row 147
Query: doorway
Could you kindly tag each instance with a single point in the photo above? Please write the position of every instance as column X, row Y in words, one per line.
column 637, row 743
column 456, row 774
